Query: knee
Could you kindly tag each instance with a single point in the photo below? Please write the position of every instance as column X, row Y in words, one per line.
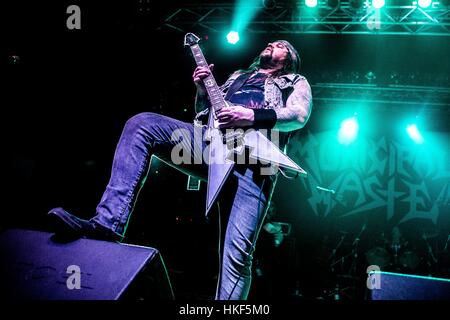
column 141, row 121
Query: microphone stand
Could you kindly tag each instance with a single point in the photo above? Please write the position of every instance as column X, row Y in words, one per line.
column 332, row 256
column 433, row 263
column 446, row 243
column 354, row 252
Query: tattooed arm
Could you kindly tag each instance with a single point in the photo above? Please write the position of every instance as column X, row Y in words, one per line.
column 298, row 108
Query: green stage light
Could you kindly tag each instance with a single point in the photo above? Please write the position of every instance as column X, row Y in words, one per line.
column 311, row 3
column 414, row 133
column 244, row 12
column 348, row 131
column 378, row 4
column 424, row 3
column 233, row 37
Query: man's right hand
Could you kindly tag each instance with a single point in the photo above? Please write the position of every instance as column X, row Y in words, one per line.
column 201, row 73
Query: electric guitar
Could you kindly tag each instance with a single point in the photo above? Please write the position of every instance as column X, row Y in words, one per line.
column 224, row 146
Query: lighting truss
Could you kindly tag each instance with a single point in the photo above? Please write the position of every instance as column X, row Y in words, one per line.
column 329, row 95
column 397, row 17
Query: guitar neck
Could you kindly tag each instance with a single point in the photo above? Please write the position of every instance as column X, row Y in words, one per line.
column 214, row 92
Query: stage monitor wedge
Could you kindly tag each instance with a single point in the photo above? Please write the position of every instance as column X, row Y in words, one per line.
column 36, row 267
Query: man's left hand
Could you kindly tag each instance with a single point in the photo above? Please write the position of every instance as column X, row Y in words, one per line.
column 235, row 116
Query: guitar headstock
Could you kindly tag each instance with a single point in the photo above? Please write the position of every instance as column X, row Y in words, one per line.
column 191, row 39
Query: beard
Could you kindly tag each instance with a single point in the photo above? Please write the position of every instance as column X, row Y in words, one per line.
column 266, row 61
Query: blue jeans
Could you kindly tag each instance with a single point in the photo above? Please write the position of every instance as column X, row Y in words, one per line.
column 242, row 202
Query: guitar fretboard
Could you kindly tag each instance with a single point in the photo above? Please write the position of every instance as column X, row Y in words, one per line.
column 215, row 95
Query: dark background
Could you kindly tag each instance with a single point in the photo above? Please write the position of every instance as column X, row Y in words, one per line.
column 66, row 101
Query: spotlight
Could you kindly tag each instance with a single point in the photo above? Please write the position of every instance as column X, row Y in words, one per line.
column 311, row 3
column 348, row 131
column 378, row 4
column 233, row 37
column 370, row 76
column 424, row 3
column 414, row 133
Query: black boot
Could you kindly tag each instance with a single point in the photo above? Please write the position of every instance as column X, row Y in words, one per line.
column 67, row 224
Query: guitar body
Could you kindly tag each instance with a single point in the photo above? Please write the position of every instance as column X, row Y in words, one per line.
column 219, row 168
column 225, row 145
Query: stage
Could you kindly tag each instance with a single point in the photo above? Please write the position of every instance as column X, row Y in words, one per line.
column 375, row 148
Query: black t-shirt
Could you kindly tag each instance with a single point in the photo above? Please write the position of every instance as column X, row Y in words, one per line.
column 251, row 93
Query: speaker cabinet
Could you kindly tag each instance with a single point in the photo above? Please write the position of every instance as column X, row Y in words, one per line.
column 36, row 267
column 396, row 286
